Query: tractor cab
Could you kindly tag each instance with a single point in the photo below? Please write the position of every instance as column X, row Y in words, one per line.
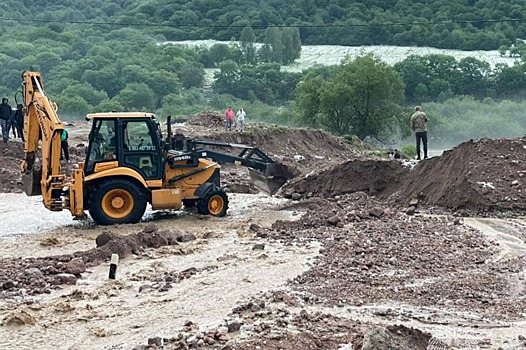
column 131, row 140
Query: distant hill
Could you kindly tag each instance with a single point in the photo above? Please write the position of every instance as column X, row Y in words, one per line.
column 452, row 24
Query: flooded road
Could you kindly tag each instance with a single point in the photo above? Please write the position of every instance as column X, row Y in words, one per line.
column 21, row 214
column 120, row 314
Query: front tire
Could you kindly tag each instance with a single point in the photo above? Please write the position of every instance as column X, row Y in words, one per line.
column 117, row 201
column 214, row 203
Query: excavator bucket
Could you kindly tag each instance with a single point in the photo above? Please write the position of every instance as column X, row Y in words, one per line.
column 272, row 179
column 31, row 182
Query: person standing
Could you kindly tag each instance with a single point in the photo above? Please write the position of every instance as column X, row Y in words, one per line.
column 240, row 120
column 5, row 118
column 19, row 121
column 12, row 125
column 64, row 145
column 229, row 116
column 419, row 125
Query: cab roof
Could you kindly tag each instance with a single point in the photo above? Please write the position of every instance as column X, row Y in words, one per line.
column 119, row 115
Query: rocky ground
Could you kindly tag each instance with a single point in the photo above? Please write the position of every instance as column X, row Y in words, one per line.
column 354, row 253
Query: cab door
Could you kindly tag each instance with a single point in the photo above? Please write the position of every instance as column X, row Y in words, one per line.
column 141, row 149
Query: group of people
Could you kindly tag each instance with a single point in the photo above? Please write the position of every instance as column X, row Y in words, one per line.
column 229, row 119
column 11, row 120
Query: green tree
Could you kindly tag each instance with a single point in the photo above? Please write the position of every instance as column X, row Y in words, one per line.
column 248, row 47
column 137, row 96
column 274, row 42
column 361, row 97
column 290, row 38
column 227, row 77
column 192, row 75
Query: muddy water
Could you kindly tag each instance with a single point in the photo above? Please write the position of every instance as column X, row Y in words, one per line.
column 101, row 314
column 21, row 214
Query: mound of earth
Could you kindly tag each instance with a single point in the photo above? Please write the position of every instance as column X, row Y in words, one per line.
column 302, row 149
column 480, row 175
column 208, row 119
column 11, row 156
column 370, row 176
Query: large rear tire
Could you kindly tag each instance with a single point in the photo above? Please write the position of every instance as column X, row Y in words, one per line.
column 214, row 203
column 117, row 201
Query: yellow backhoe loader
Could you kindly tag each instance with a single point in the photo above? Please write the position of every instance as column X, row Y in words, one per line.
column 128, row 164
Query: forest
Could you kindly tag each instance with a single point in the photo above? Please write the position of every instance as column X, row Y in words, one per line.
column 110, row 55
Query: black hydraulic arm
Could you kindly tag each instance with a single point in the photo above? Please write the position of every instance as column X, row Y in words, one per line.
column 251, row 157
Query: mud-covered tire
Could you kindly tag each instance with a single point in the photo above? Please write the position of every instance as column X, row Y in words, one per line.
column 214, row 203
column 189, row 203
column 117, row 201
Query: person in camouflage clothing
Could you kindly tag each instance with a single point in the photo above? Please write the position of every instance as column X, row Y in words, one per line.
column 418, row 123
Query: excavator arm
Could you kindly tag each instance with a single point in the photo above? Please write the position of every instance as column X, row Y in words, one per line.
column 41, row 126
column 265, row 174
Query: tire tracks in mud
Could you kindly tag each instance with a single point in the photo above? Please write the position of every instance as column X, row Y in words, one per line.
column 503, row 232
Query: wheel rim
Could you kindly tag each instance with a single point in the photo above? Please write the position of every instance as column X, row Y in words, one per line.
column 117, row 203
column 216, row 204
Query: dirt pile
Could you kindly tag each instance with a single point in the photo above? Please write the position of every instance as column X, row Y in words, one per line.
column 208, row 119
column 479, row 175
column 372, row 254
column 11, row 155
column 371, row 176
column 304, row 149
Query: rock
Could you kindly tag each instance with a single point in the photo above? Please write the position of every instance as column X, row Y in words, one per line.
column 32, row 273
column 76, row 266
column 254, row 227
column 376, row 212
column 66, row 278
column 18, row 318
column 187, row 237
column 8, row 284
column 258, row 246
column 234, row 327
column 334, row 220
column 52, row 270
column 295, row 196
column 150, row 228
column 410, row 211
column 304, row 314
column 262, row 234
column 155, row 341
column 103, row 238
column 377, row 339
column 413, row 202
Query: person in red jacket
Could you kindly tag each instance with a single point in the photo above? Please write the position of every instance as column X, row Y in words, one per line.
column 229, row 116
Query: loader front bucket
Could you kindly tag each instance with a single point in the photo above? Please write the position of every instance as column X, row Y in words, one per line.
column 31, row 182
column 272, row 179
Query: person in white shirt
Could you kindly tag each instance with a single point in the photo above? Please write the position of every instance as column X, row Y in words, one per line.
column 240, row 119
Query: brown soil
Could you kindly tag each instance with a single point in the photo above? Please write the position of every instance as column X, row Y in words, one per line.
column 372, row 254
column 482, row 175
column 207, row 119
column 374, row 177
column 303, row 149
column 11, row 156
